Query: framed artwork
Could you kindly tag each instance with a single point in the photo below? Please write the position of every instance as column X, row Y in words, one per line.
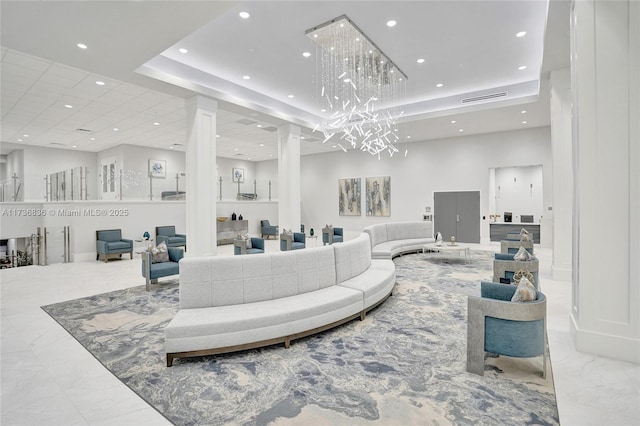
column 349, row 197
column 378, row 196
column 158, row 168
column 237, row 175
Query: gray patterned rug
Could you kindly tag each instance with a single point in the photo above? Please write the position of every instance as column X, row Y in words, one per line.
column 405, row 364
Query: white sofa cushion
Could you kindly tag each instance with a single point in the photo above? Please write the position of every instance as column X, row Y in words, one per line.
column 284, row 270
column 375, row 283
column 352, row 257
column 205, row 328
column 377, row 233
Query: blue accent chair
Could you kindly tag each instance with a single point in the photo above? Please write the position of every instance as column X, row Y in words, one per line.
column 110, row 244
column 499, row 326
column 257, row 246
column 152, row 271
column 167, row 234
column 295, row 241
column 504, row 266
column 268, row 229
column 332, row 235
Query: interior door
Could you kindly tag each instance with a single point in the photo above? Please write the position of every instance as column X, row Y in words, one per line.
column 444, row 214
column 457, row 214
column 108, row 178
column 468, row 216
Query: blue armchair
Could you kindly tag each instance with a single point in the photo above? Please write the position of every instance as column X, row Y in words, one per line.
column 240, row 246
column 167, row 234
column 332, row 235
column 268, row 229
column 504, row 266
column 499, row 326
column 294, row 241
column 152, row 271
column 109, row 244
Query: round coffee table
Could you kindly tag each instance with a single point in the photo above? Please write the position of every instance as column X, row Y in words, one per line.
column 447, row 248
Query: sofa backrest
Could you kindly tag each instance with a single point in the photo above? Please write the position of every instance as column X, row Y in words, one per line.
column 384, row 232
column 109, row 235
column 377, row 233
column 219, row 281
column 352, row 257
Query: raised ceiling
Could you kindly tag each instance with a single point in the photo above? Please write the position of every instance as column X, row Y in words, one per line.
column 468, row 46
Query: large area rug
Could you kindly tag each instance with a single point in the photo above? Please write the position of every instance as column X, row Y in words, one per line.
column 405, row 364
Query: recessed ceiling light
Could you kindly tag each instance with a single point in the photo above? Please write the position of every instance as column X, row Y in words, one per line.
column 453, row 121
column 323, row 110
column 100, row 83
column 391, row 23
column 522, row 67
column 259, row 125
column 261, row 144
column 290, row 96
column 81, row 45
column 524, row 122
column 217, row 136
column 408, row 137
column 301, row 137
column 74, row 146
column 306, row 54
column 420, row 61
column 19, row 140
column 270, row 155
column 248, row 158
column 521, row 34
column 25, row 136
column 93, row 139
column 244, row 15
column 68, row 106
column 246, row 77
column 171, row 147
column 333, row 146
column 183, row 50
column 439, row 85
column 115, row 129
column 155, row 123
column 523, row 111
column 461, row 130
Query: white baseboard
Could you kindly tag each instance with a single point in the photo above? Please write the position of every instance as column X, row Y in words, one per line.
column 616, row 347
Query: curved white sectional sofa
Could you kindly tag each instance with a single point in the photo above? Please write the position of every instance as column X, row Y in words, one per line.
column 234, row 303
column 389, row 240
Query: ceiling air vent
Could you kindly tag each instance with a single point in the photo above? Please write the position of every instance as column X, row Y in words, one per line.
column 485, row 97
column 57, row 143
column 84, row 130
column 246, row 121
column 270, row 129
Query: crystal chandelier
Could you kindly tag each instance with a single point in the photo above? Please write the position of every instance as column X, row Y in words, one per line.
column 359, row 87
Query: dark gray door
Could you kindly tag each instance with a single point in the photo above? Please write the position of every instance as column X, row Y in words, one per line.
column 457, row 214
column 444, row 214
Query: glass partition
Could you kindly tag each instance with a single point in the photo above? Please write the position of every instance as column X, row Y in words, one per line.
column 70, row 184
column 250, row 190
column 12, row 189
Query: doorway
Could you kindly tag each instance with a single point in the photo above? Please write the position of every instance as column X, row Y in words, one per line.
column 457, row 214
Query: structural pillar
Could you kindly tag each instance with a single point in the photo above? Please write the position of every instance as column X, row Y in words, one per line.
column 605, row 67
column 289, row 177
column 201, row 176
column 562, row 171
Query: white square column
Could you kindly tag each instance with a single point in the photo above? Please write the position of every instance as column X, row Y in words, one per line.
column 201, row 176
column 605, row 62
column 289, row 177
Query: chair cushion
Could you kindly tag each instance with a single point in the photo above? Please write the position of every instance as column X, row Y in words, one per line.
column 297, row 246
column 118, row 245
column 164, row 269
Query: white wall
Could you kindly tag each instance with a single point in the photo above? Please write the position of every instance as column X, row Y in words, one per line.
column 455, row 164
column 15, row 165
column 519, row 191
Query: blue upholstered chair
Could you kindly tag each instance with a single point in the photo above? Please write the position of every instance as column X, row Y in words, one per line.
column 110, row 244
column 504, row 266
column 294, row 241
column 152, row 271
column 332, row 235
column 167, row 234
column 240, row 246
column 268, row 229
column 499, row 326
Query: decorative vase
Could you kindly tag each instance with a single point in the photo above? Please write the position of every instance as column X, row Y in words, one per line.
column 240, row 217
column 311, row 232
column 453, row 240
column 233, row 216
column 146, row 235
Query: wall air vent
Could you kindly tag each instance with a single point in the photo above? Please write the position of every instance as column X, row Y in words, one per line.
column 270, row 129
column 485, row 97
column 246, row 121
column 80, row 130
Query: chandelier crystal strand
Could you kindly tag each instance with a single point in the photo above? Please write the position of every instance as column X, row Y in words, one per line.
column 360, row 88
